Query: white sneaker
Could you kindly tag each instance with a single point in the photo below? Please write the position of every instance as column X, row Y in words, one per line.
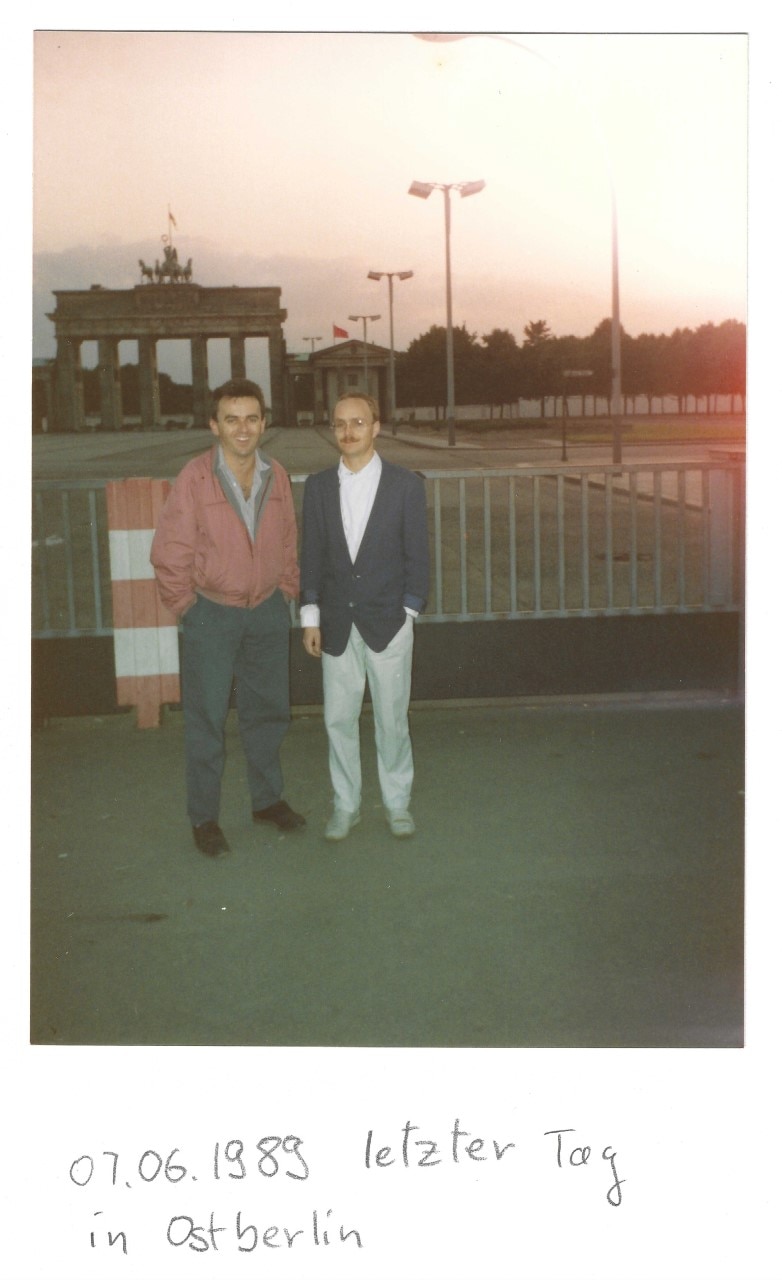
column 400, row 822
column 340, row 824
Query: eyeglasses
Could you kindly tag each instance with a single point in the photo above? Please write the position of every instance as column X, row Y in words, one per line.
column 353, row 423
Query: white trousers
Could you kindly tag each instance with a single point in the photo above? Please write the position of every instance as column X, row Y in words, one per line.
column 344, row 684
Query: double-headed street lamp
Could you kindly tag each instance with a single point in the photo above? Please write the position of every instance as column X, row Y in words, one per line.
column 313, row 341
column 402, row 275
column 424, row 190
column 366, row 364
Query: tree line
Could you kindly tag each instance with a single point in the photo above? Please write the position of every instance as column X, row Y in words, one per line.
column 175, row 397
column 687, row 364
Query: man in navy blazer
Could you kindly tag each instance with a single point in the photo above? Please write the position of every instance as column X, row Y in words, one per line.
column 364, row 578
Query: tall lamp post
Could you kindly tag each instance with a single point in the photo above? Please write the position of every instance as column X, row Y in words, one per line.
column 366, row 363
column 312, row 352
column 424, row 190
column 616, row 332
column 402, row 275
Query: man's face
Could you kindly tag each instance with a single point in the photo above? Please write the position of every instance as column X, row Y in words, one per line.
column 238, row 426
column 355, row 432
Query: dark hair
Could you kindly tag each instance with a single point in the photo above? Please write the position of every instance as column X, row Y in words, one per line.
column 369, row 401
column 235, row 389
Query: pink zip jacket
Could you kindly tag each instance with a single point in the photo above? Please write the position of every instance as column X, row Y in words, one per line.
column 202, row 546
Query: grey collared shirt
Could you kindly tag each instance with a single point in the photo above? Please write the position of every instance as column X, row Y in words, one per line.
column 246, row 505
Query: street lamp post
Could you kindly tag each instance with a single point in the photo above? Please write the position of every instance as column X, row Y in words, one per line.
column 424, row 190
column 616, row 338
column 402, row 275
column 616, row 332
column 312, row 352
column 366, row 363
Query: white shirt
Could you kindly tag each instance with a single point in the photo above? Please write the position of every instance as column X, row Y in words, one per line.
column 357, row 493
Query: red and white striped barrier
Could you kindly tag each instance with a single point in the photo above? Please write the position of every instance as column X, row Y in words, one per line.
column 146, row 646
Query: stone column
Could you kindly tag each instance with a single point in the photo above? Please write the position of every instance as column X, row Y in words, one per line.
column 149, row 387
column 200, row 367
column 70, row 385
column 276, row 414
column 110, row 386
column 238, row 358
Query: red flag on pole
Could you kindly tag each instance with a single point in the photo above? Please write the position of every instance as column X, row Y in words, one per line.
column 339, row 333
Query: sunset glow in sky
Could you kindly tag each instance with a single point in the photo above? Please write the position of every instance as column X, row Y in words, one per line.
column 286, row 160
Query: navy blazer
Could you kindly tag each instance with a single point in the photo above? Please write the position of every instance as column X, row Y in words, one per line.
column 391, row 569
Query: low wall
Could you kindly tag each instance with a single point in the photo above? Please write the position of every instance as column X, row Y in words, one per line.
column 523, row 658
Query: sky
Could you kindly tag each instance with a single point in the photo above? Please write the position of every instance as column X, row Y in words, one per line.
column 286, row 160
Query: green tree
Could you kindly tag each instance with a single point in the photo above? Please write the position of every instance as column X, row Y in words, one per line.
column 719, row 360
column 536, row 362
column 536, row 333
column 568, row 354
column 675, row 365
column 175, row 397
column 733, row 363
column 501, row 374
column 597, row 353
column 643, row 368
column 421, row 370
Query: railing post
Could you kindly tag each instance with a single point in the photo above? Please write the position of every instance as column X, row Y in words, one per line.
column 725, row 516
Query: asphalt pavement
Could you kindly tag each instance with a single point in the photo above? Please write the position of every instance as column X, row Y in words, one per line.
column 575, row 881
column 103, row 455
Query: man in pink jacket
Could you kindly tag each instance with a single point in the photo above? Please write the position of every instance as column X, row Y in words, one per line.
column 224, row 555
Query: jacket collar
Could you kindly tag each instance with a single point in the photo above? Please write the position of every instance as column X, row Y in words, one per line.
column 267, row 483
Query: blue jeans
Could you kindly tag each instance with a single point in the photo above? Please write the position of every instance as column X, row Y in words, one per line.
column 223, row 644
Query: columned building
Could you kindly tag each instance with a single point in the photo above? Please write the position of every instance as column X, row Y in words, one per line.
column 316, row 380
column 147, row 314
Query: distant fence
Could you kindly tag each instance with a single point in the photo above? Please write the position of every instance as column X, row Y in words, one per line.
column 528, row 542
column 582, row 405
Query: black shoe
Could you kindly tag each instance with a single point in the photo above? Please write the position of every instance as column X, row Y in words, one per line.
column 281, row 814
column 210, row 840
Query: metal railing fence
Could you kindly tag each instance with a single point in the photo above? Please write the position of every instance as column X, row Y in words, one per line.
column 543, row 541
column 71, row 579
column 527, row 542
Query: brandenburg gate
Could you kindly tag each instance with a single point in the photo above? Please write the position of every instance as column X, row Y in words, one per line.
column 148, row 313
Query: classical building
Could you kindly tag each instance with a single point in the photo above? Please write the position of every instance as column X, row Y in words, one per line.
column 316, row 380
column 151, row 312
column 167, row 305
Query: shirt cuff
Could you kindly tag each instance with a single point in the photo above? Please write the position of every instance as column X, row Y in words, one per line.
column 309, row 615
column 413, row 612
